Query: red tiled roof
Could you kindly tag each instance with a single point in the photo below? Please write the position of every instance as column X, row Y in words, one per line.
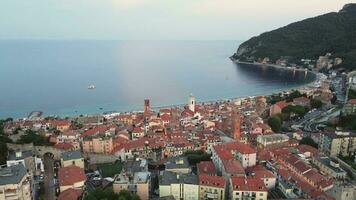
column 282, row 104
column 165, row 117
column 60, row 123
column 237, row 146
column 70, row 175
column 248, row 184
column 301, row 100
column 212, row 181
column 70, row 194
column 233, row 167
column 64, row 146
column 260, row 172
column 206, row 167
column 303, row 148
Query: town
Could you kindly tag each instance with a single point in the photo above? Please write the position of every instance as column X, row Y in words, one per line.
column 295, row 144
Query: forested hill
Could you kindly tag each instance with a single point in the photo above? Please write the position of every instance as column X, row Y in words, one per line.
column 329, row 33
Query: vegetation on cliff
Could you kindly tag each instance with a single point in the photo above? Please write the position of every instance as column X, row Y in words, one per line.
column 333, row 33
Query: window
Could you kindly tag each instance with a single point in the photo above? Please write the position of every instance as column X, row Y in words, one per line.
column 261, row 194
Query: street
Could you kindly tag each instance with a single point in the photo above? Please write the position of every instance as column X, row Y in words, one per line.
column 49, row 187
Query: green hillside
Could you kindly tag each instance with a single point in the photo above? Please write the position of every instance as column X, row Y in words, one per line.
column 330, row 33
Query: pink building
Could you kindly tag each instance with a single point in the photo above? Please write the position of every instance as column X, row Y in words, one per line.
column 98, row 145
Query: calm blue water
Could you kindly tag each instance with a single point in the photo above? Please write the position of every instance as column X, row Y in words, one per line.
column 53, row 76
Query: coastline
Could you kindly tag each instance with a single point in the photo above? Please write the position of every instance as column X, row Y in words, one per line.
column 318, row 77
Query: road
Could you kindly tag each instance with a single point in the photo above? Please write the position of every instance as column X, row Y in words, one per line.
column 48, row 178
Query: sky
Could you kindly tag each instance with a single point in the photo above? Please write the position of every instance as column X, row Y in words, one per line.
column 153, row 19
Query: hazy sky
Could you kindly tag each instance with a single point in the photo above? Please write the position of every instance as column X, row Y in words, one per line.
column 153, row 19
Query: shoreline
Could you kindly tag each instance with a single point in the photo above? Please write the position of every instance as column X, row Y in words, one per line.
column 318, row 78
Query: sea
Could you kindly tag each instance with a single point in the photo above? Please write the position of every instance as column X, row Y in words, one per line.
column 53, row 76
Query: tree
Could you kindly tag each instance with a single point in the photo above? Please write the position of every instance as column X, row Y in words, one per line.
column 32, row 137
column 195, row 157
column 308, row 141
column 3, row 153
column 300, row 111
column 315, row 103
column 275, row 123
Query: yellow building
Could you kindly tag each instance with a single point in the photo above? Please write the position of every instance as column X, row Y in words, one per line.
column 15, row 183
column 338, row 143
column 212, row 187
column 72, row 158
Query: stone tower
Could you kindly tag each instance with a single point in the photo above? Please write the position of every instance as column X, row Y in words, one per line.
column 191, row 103
column 236, row 125
column 147, row 107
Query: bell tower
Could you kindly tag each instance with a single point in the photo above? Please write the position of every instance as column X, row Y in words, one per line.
column 191, row 103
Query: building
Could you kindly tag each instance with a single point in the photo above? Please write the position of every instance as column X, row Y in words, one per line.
column 350, row 107
column 329, row 166
column 70, row 194
column 337, row 143
column 15, row 183
column 180, row 186
column 32, row 163
column 232, row 168
column 139, row 184
column 233, row 150
column 206, row 168
column 147, row 107
column 191, row 103
column 103, row 145
column 277, row 108
column 247, row 188
column 301, row 101
column 268, row 178
column 135, row 178
column 212, row 187
column 265, row 141
column 71, row 177
column 72, row 158
column 178, row 165
column 343, row 191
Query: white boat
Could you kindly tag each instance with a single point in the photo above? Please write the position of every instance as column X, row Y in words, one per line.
column 91, row 87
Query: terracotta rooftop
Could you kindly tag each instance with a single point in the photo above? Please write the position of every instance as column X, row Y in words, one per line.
column 212, row 181
column 206, row 167
column 70, row 175
column 248, row 184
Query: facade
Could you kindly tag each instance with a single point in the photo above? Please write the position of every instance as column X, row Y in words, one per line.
column 271, row 140
column 15, row 183
column 71, row 177
column 103, row 145
column 139, row 184
column 180, row 186
column 277, row 108
column 343, row 191
column 72, row 158
column 233, row 150
column 212, row 187
column 350, row 107
column 338, row 143
column 330, row 167
column 247, row 188
column 27, row 159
